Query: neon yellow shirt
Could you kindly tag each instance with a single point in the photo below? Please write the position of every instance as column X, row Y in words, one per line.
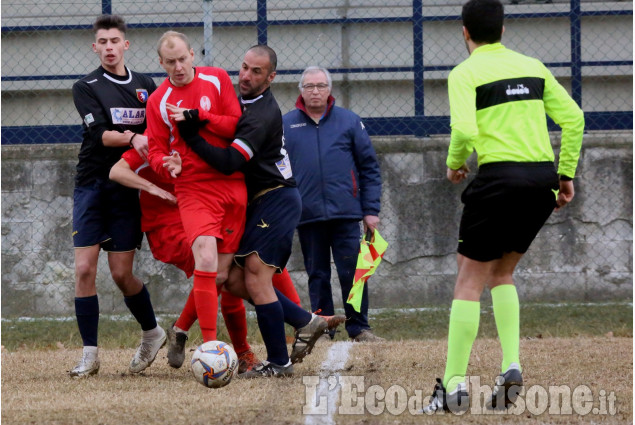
column 498, row 102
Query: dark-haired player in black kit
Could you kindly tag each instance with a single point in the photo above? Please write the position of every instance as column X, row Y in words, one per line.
column 111, row 102
column 273, row 212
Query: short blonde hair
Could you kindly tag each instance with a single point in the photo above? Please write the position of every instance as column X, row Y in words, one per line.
column 168, row 35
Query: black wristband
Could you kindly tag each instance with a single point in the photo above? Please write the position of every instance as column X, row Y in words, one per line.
column 130, row 142
column 565, row 178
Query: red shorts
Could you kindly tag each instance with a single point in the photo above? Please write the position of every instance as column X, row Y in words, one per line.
column 169, row 245
column 214, row 208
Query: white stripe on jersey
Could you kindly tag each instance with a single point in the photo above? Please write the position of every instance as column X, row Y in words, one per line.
column 108, row 77
column 212, row 79
column 245, row 147
column 141, row 167
column 164, row 112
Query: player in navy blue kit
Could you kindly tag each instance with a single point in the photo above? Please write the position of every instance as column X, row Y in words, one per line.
column 111, row 102
column 272, row 214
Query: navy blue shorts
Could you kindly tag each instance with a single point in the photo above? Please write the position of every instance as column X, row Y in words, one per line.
column 504, row 208
column 271, row 222
column 107, row 214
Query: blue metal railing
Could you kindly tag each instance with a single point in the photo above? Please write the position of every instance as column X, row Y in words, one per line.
column 418, row 125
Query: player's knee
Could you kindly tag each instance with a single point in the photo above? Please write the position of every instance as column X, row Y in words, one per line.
column 121, row 276
column 221, row 277
column 84, row 271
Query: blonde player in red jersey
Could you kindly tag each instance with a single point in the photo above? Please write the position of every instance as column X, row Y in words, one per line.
column 161, row 222
column 212, row 205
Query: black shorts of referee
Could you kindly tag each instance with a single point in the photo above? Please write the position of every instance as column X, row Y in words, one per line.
column 505, row 206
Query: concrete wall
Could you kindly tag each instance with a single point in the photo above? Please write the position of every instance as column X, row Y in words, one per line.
column 583, row 253
column 48, row 101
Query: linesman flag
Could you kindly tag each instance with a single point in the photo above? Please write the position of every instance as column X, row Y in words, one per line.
column 371, row 251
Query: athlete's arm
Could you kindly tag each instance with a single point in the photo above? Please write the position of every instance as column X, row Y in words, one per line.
column 226, row 160
column 123, row 174
column 158, row 139
column 462, row 119
column 568, row 115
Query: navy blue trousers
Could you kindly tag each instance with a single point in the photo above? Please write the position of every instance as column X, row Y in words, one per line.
column 341, row 237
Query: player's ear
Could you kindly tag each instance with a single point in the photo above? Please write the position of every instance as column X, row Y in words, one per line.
column 94, row 48
column 126, row 44
column 271, row 77
column 466, row 34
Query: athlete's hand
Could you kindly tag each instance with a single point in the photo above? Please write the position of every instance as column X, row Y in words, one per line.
column 173, row 164
column 140, row 144
column 177, row 113
column 566, row 193
column 457, row 176
column 163, row 194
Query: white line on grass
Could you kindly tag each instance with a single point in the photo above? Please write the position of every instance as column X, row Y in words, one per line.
column 335, row 361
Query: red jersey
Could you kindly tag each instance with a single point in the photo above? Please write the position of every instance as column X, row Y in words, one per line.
column 155, row 212
column 212, row 93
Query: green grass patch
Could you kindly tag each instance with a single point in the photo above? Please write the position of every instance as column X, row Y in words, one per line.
column 537, row 321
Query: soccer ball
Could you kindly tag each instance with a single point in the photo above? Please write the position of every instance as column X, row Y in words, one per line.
column 214, row 364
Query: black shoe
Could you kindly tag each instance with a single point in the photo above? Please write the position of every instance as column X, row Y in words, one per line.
column 508, row 387
column 268, row 370
column 457, row 401
column 176, row 347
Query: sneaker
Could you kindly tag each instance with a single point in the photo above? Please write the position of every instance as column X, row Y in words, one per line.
column 507, row 388
column 146, row 353
column 333, row 322
column 247, row 360
column 87, row 366
column 367, row 335
column 306, row 337
column 268, row 370
column 176, row 347
column 457, row 401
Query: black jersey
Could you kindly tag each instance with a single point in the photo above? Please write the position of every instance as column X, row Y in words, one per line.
column 260, row 126
column 106, row 101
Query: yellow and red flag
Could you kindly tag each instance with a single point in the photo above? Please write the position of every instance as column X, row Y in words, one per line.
column 370, row 254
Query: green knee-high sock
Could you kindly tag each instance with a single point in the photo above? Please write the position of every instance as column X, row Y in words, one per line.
column 464, row 319
column 507, row 316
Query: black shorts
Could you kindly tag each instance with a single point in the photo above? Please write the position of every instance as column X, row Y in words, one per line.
column 271, row 222
column 108, row 214
column 504, row 208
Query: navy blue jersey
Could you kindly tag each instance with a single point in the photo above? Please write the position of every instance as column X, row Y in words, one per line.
column 260, row 129
column 106, row 101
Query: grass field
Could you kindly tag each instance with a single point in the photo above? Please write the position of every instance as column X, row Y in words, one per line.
column 562, row 347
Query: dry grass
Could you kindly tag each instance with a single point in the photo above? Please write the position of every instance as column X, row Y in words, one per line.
column 37, row 390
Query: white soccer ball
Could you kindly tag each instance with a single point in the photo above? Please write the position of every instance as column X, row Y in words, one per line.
column 214, row 364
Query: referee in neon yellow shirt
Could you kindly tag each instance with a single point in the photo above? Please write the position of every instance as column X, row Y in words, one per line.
column 498, row 102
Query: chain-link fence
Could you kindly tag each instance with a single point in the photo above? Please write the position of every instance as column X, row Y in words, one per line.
column 389, row 59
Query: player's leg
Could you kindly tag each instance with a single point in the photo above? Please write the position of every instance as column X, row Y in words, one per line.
column 269, row 313
column 316, row 250
column 88, row 232
column 204, row 288
column 124, row 229
column 507, row 317
column 87, row 309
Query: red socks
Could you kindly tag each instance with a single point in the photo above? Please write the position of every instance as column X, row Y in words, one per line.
column 206, row 301
column 283, row 283
column 233, row 311
column 188, row 315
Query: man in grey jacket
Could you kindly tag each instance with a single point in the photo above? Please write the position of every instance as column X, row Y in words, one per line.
column 338, row 175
